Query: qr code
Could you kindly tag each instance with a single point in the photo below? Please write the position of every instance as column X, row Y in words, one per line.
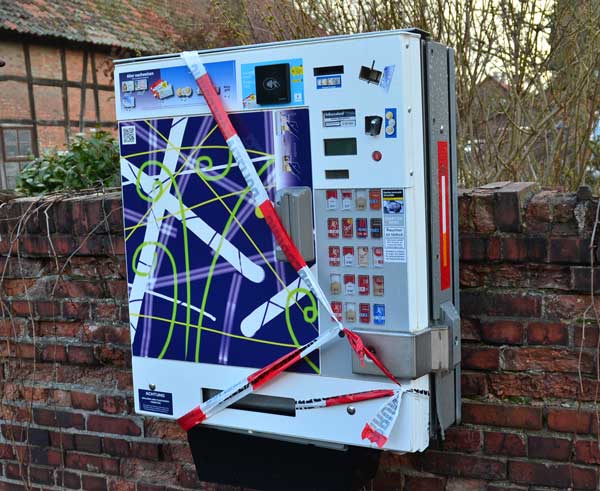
column 128, row 135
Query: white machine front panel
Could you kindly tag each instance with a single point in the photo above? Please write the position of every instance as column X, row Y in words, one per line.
column 328, row 138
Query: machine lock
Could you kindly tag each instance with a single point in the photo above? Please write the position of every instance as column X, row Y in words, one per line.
column 373, row 125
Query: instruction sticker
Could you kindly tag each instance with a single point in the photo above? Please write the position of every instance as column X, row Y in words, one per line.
column 339, row 118
column 156, row 402
column 394, row 226
column 329, row 82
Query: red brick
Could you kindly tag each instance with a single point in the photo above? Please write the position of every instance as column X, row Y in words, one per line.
column 565, row 306
column 585, row 337
column 502, row 332
column 88, row 443
column 470, row 329
column 556, row 475
column 547, row 359
column 500, row 443
column 582, row 279
column 523, row 248
column 419, row 483
column 92, row 463
column 547, row 333
column 462, row 440
column 540, row 447
column 112, row 404
column 106, row 334
column 151, row 487
column 506, row 416
column 473, row 384
column 176, row 452
column 22, row 308
column 17, row 287
column 84, row 400
column 68, row 480
column 500, row 304
column 105, row 311
column 460, row 484
column 163, row 429
column 13, row 328
column 572, row 421
column 121, row 485
column 62, row 440
column 53, row 353
column 460, row 465
column 146, row 451
column 569, row 250
column 509, row 200
column 13, row 471
column 119, row 426
column 477, row 358
column 81, row 355
column 62, row 419
column 482, row 207
column 473, row 248
column 58, row 329
column 116, row 447
column 587, row 452
column 47, row 310
column 534, row 385
column 76, row 310
column 78, row 289
column 94, row 483
column 40, row 475
column 109, row 355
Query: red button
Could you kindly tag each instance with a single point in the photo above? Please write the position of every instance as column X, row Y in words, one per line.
column 376, row 155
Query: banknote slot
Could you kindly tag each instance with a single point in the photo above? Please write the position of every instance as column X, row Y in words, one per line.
column 337, row 174
column 328, row 70
column 258, row 403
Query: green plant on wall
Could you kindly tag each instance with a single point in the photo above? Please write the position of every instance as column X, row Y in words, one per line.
column 90, row 162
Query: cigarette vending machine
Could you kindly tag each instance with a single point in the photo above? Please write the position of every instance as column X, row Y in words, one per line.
column 352, row 139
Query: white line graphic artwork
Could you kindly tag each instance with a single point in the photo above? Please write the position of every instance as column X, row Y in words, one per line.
column 273, row 307
column 198, row 227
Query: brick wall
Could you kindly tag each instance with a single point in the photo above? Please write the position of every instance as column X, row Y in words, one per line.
column 529, row 368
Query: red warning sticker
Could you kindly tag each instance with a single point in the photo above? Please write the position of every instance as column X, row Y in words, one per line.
column 444, row 214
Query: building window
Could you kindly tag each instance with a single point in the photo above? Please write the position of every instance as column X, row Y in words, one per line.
column 17, row 143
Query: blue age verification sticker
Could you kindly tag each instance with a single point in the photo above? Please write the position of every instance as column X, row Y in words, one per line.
column 156, row 402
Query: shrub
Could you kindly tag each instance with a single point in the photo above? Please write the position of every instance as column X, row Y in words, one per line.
column 91, row 162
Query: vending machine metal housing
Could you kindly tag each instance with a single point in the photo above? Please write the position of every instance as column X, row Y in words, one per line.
column 354, row 137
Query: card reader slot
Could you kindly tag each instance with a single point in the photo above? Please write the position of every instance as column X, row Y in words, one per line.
column 258, row 403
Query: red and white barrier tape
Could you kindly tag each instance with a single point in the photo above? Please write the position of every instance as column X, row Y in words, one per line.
column 343, row 399
column 261, row 201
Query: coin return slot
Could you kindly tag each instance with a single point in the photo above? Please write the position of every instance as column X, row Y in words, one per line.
column 283, row 406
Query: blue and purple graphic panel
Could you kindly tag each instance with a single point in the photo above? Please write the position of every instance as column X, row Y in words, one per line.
column 204, row 283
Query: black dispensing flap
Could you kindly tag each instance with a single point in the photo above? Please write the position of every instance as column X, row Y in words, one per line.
column 238, row 459
column 273, row 84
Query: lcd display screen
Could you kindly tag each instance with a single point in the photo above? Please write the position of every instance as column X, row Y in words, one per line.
column 340, row 146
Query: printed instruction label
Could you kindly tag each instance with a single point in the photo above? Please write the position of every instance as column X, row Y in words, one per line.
column 339, row 117
column 394, row 226
column 156, row 402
